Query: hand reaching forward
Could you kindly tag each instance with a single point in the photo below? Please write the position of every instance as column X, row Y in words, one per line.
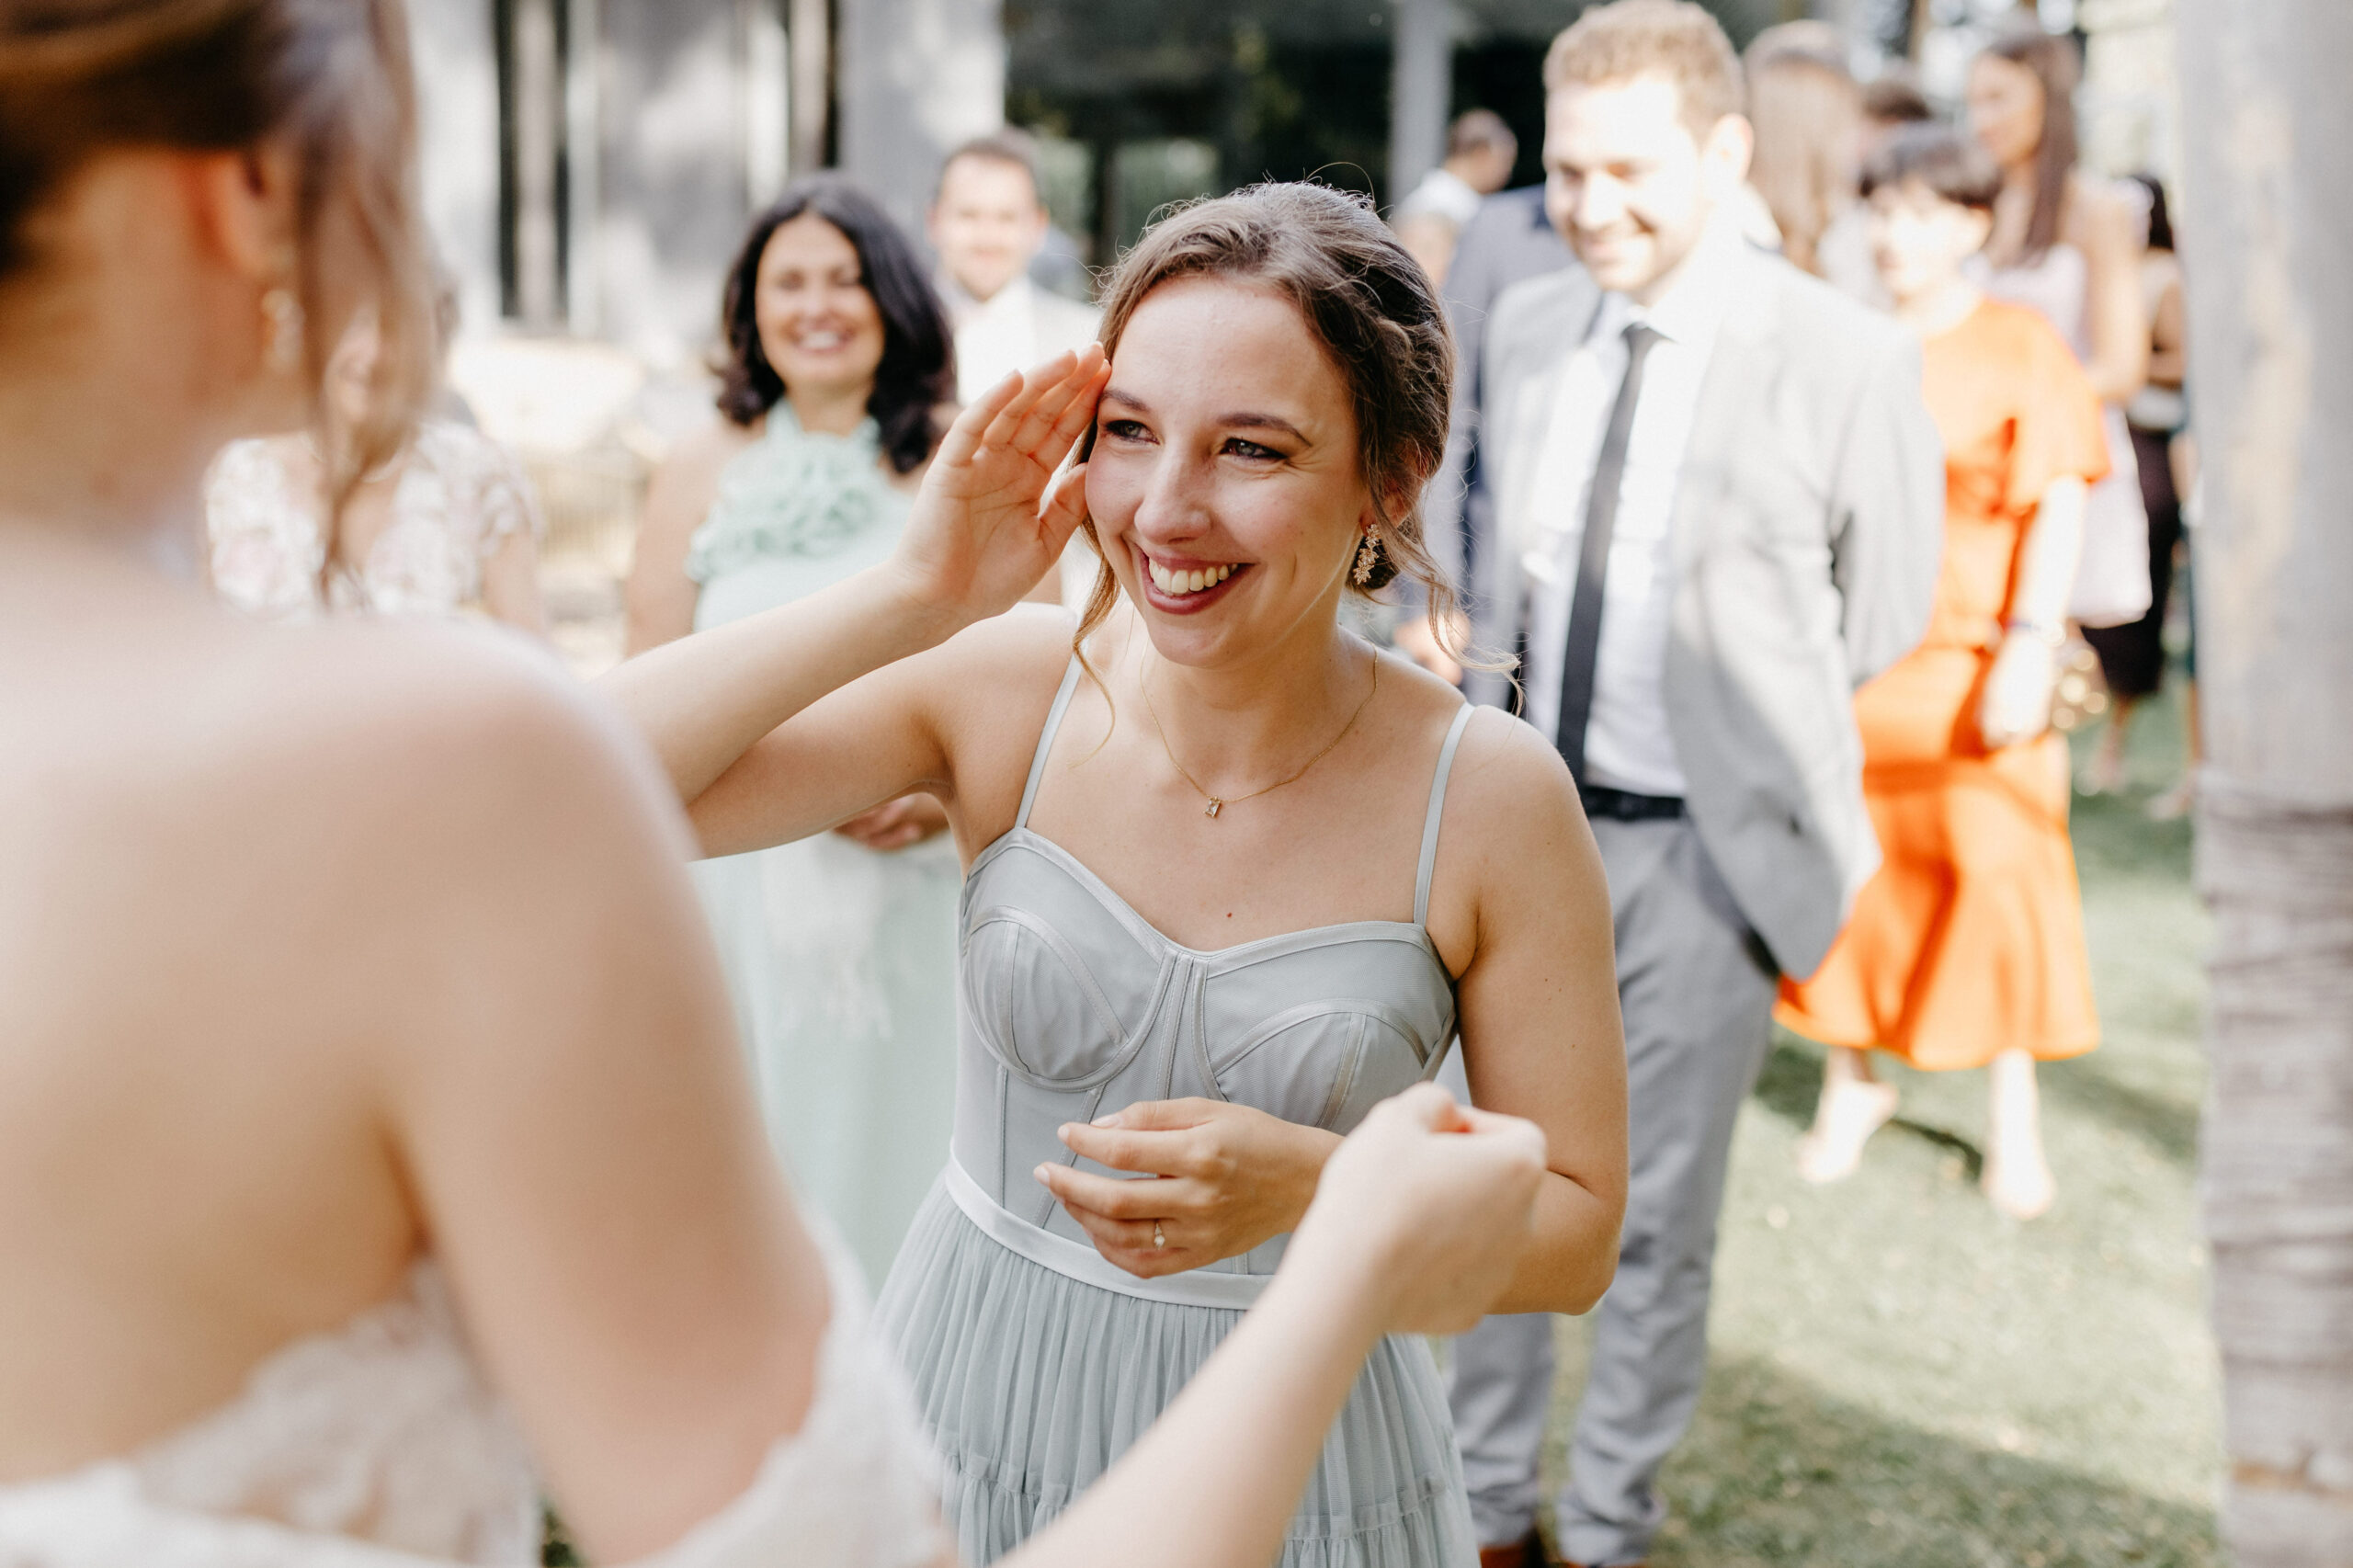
column 983, row 530
column 1230, row 1177
column 1428, row 1206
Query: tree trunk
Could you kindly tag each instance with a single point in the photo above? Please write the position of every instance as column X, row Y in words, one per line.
column 2267, row 230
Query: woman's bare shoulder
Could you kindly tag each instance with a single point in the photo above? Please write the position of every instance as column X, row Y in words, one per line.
column 1511, row 803
column 452, row 746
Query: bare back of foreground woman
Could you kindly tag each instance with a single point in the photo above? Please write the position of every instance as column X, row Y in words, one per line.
column 330, row 1064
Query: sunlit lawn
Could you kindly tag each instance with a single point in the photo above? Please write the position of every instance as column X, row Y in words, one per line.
column 1900, row 1376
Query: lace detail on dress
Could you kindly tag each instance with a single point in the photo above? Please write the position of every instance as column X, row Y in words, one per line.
column 790, row 492
column 458, row 499
column 379, row 1446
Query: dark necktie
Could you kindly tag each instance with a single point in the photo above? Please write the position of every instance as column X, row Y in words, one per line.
column 1593, row 557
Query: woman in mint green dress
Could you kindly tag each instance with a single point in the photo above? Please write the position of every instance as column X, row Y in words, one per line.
column 840, row 949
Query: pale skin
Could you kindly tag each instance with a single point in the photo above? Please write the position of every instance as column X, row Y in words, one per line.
column 2006, row 114
column 238, row 1100
column 1632, row 185
column 1920, row 242
column 823, row 336
column 1247, row 461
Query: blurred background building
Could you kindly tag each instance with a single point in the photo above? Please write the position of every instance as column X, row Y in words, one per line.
column 589, row 164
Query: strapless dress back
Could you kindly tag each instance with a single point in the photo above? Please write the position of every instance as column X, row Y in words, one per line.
column 1036, row 1360
column 380, row 1445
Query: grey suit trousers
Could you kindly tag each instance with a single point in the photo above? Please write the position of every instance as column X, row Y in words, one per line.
column 1696, row 987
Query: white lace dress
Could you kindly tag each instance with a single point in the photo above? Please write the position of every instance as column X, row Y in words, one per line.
column 380, row 1446
column 458, row 499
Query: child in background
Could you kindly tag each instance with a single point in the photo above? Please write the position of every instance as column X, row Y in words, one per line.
column 1967, row 949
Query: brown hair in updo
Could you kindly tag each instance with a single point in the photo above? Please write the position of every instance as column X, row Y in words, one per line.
column 1369, row 303
column 329, row 79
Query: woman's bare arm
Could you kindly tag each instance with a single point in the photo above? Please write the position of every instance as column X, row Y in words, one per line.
column 659, row 596
column 2105, row 228
column 978, row 536
column 2016, row 702
column 510, row 584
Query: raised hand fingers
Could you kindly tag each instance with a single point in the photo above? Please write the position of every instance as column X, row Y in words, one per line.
column 1005, row 427
column 965, row 436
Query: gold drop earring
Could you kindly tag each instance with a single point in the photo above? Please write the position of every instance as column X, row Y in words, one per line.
column 1367, row 557
column 281, row 329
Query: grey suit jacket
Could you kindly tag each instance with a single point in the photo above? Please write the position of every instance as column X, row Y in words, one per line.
column 1808, row 528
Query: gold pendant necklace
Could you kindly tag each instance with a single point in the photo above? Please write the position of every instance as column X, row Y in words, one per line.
column 1218, row 803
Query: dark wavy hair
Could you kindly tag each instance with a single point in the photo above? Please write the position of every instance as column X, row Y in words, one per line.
column 917, row 376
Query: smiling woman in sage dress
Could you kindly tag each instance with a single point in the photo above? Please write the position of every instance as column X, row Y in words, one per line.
column 1232, row 877
column 840, row 949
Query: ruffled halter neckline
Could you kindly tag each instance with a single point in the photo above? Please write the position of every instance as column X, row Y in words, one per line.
column 793, row 492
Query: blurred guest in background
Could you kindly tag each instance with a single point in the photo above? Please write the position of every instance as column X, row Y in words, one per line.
column 1967, row 949
column 989, row 224
column 1692, row 623
column 839, row 950
column 2070, row 246
column 1509, row 240
column 445, row 526
column 1480, row 151
column 2133, row 656
column 1807, row 112
column 1892, row 100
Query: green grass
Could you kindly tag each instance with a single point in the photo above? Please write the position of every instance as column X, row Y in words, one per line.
column 1902, row 1377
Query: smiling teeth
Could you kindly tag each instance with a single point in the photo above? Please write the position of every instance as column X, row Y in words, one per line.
column 1177, row 583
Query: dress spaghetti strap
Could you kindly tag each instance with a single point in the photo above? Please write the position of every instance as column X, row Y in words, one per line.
column 1046, row 741
column 1438, row 809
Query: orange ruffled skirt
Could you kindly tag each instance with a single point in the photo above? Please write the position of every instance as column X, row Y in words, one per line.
column 1970, row 940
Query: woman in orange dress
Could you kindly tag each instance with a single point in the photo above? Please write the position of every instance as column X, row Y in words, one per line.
column 1967, row 949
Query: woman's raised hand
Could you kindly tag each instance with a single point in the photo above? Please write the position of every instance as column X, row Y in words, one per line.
column 1428, row 1205
column 985, row 528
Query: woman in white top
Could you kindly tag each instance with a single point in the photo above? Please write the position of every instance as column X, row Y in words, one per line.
column 445, row 526
column 370, row 1156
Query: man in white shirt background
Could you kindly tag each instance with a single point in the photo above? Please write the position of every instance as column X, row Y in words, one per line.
column 1717, row 505
column 988, row 223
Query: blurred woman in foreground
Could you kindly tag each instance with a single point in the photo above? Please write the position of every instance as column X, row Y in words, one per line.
column 371, row 1156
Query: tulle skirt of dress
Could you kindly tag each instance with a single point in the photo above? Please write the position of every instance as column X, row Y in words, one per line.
column 841, row 963
column 1033, row 1385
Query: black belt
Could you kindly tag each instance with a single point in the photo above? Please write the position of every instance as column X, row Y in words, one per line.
column 1624, row 805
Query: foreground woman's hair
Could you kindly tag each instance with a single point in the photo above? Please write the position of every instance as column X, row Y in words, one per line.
column 1371, row 305
column 329, row 80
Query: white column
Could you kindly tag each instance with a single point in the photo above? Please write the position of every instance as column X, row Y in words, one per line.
column 457, row 77
column 2267, row 196
column 539, row 124
column 767, row 102
column 1421, row 82
column 913, row 78
column 584, row 164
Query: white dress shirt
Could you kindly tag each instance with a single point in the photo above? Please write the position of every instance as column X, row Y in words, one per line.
column 1016, row 328
column 1627, row 745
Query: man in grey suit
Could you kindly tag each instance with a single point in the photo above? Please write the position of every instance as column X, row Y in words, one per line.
column 1716, row 508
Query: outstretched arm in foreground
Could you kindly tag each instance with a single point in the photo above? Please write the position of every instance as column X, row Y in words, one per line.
column 1416, row 1228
